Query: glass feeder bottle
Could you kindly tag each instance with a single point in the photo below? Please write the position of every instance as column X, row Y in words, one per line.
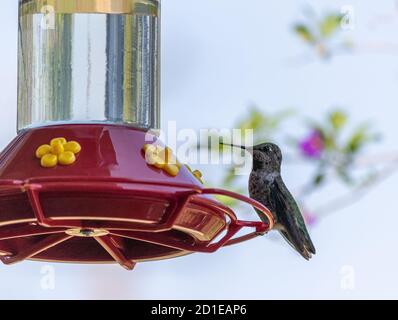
column 91, row 61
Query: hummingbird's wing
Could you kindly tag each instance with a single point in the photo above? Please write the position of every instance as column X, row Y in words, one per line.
column 289, row 217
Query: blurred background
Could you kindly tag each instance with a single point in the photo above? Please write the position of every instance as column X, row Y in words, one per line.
column 317, row 77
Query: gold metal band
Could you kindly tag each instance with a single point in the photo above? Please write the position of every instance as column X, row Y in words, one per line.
column 142, row 7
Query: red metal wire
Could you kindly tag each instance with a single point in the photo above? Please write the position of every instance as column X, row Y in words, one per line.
column 181, row 199
column 143, row 232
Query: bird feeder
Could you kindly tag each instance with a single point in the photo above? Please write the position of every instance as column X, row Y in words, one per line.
column 75, row 184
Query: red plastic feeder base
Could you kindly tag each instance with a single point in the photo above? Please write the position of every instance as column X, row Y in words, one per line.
column 109, row 205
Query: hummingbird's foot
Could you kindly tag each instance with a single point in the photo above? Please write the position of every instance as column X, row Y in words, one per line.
column 262, row 233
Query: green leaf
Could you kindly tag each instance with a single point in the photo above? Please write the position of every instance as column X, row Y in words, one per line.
column 284, row 115
column 230, row 177
column 211, row 143
column 357, row 140
column 338, row 119
column 304, row 33
column 230, row 202
column 254, row 120
column 330, row 24
column 319, row 179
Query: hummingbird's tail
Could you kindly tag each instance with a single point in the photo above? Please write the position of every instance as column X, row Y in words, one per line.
column 304, row 247
column 290, row 220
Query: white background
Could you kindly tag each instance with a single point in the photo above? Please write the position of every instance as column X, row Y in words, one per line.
column 219, row 56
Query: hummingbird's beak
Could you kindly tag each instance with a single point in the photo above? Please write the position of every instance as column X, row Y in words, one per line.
column 248, row 149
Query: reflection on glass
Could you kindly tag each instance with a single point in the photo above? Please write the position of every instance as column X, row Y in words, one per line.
column 88, row 61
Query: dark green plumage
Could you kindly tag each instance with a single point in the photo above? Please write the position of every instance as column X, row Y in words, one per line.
column 267, row 187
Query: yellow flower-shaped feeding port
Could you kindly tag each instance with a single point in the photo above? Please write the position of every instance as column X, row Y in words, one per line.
column 59, row 151
column 162, row 158
column 196, row 173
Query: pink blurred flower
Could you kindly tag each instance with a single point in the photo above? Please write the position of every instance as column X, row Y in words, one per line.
column 310, row 219
column 313, row 145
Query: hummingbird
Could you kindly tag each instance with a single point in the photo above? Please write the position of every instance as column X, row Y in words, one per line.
column 267, row 187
